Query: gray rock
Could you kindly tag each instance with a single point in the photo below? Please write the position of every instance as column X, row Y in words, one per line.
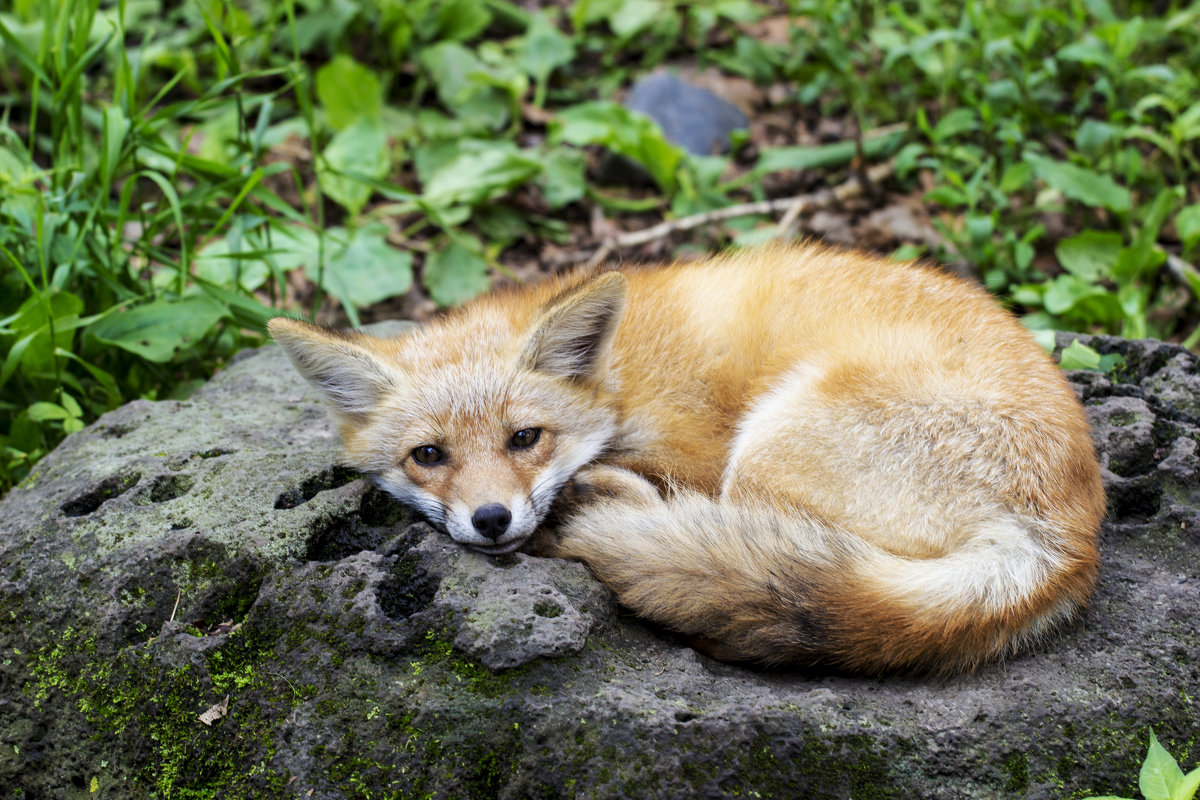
column 177, row 553
column 693, row 118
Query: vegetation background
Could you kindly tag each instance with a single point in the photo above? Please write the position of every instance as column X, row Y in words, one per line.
column 174, row 173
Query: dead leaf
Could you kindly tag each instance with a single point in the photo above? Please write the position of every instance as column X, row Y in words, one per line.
column 216, row 712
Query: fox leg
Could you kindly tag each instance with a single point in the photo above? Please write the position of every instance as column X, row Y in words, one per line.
column 596, row 485
column 602, row 482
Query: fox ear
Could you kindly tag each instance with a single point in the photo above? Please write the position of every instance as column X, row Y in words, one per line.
column 573, row 336
column 339, row 363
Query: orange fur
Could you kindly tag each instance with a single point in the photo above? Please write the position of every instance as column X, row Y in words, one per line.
column 858, row 462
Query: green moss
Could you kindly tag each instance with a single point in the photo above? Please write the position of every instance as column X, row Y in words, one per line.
column 1016, row 771
column 475, row 677
column 147, row 710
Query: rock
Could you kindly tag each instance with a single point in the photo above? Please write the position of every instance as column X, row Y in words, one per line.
column 177, row 553
column 693, row 118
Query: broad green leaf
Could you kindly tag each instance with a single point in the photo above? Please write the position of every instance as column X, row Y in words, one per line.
column 1090, row 255
column 1078, row 183
column 1188, row 786
column 1160, row 773
column 71, row 405
column 161, row 328
column 1089, row 51
column 355, row 155
column 43, row 411
column 479, row 171
column 544, row 49
column 295, row 246
column 33, row 352
column 455, row 274
column 218, row 264
column 1093, row 135
column 587, row 12
column 460, row 78
column 1045, row 338
column 626, row 133
column 367, row 269
column 348, row 92
column 461, row 20
column 1067, row 291
column 1077, row 355
column 1187, row 224
column 564, row 180
column 634, row 16
column 1016, row 177
column 960, row 120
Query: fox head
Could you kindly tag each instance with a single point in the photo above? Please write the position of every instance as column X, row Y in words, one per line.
column 480, row 418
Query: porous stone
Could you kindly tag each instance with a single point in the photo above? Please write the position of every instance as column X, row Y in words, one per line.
column 178, row 553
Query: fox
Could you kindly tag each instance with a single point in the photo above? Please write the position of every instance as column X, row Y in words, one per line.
column 793, row 456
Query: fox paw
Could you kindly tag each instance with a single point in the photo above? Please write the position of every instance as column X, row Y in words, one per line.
column 600, row 482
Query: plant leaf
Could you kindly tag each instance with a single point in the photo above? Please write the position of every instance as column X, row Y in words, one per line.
column 157, row 330
column 1187, row 224
column 457, row 73
column 479, row 171
column 564, row 180
column 348, row 92
column 368, row 269
column 1077, row 355
column 544, row 49
column 355, row 156
column 454, row 274
column 626, row 133
column 1160, row 773
column 43, row 411
column 633, row 16
column 1188, row 785
column 1090, row 255
column 1078, row 183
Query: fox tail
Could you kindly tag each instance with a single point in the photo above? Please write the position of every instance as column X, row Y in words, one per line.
column 756, row 583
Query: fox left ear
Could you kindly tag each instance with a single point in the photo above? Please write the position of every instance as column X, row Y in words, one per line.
column 339, row 363
column 573, row 336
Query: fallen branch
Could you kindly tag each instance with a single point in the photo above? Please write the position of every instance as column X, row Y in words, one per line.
column 792, row 208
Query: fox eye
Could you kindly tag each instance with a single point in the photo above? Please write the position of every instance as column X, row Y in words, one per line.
column 526, row 437
column 428, row 455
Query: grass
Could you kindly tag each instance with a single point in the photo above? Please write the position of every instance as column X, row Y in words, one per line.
column 166, row 178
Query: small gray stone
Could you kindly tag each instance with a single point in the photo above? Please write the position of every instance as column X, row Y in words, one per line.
column 693, row 118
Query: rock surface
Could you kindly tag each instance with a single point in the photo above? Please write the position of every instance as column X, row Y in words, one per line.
column 197, row 602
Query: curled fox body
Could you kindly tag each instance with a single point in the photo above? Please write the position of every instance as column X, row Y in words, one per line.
column 793, row 455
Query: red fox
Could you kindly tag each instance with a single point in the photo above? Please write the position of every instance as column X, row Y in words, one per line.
column 792, row 455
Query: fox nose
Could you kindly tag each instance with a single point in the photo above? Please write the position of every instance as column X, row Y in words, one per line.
column 491, row 520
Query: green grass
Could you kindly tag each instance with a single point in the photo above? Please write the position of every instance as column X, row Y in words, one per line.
column 163, row 173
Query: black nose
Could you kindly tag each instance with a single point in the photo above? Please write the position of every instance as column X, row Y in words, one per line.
column 491, row 520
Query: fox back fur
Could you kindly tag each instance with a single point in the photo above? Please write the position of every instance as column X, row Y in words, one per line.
column 793, row 455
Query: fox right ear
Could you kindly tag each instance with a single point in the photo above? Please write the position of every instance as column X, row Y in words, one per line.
column 339, row 363
column 574, row 334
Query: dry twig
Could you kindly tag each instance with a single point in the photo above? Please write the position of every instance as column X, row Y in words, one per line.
column 792, row 208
